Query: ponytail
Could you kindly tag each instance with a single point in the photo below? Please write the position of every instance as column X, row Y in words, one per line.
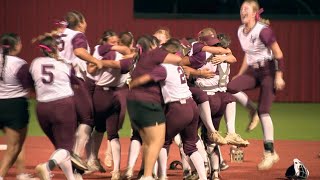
column 5, row 52
column 8, row 42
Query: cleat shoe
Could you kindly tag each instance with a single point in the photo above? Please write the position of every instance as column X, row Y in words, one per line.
column 95, row 165
column 215, row 175
column 186, row 173
column 223, row 166
column 217, row 138
column 43, row 172
column 194, row 176
column 108, row 160
column 235, row 139
column 25, row 176
column 268, row 160
column 78, row 162
column 115, row 175
column 128, row 174
column 254, row 121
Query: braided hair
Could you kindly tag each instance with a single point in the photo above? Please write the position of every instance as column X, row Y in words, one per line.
column 8, row 42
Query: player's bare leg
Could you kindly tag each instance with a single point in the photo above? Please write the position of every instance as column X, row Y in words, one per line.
column 153, row 140
column 15, row 140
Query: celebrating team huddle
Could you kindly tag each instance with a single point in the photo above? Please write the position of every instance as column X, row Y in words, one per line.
column 171, row 88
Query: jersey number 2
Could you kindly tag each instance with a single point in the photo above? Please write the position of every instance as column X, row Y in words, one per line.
column 182, row 76
column 47, row 75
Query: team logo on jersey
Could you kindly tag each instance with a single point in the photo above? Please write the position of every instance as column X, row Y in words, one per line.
column 252, row 39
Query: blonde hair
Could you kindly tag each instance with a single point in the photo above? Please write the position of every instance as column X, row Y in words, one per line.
column 206, row 32
column 53, row 33
column 256, row 7
column 164, row 31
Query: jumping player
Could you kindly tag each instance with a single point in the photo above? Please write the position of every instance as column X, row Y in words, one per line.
column 74, row 49
column 262, row 66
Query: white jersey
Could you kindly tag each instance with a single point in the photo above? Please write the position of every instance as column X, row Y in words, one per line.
column 67, row 53
column 111, row 77
column 252, row 45
column 219, row 82
column 51, row 78
column 175, row 87
column 10, row 87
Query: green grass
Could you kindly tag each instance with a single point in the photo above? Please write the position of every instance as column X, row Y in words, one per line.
column 292, row 121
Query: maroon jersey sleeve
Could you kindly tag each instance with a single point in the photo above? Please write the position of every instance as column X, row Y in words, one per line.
column 25, row 77
column 197, row 47
column 111, row 55
column 159, row 55
column 267, row 36
column 159, row 73
column 198, row 60
column 79, row 41
column 104, row 49
column 125, row 65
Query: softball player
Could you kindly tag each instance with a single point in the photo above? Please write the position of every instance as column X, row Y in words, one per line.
column 74, row 49
column 14, row 115
column 52, row 79
column 144, row 104
column 178, row 100
column 262, row 66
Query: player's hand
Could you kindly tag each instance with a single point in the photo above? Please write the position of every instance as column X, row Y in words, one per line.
column 279, row 83
column 186, row 71
column 217, row 59
column 206, row 73
column 99, row 64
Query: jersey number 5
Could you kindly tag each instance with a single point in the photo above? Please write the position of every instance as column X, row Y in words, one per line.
column 47, row 75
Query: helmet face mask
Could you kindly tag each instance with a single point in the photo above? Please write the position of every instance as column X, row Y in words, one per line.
column 297, row 170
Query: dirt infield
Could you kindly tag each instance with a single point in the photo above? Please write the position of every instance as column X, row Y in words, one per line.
column 38, row 149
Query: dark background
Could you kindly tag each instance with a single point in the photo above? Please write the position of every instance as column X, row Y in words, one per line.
column 297, row 37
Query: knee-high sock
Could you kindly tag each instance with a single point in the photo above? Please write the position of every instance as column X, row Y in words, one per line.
column 205, row 114
column 82, row 137
column 162, row 162
column 267, row 127
column 230, row 117
column 116, row 153
column 134, row 151
column 185, row 160
column 220, row 154
column 202, row 151
column 245, row 101
column 108, row 150
column 213, row 156
column 199, row 165
column 96, row 139
column 62, row 158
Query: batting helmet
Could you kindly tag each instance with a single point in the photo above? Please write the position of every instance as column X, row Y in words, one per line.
column 297, row 170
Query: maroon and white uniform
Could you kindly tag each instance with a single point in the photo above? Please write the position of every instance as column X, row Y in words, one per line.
column 110, row 97
column 215, row 87
column 55, row 100
column 71, row 40
column 12, row 85
column 178, row 100
column 254, row 43
column 219, row 82
column 261, row 69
